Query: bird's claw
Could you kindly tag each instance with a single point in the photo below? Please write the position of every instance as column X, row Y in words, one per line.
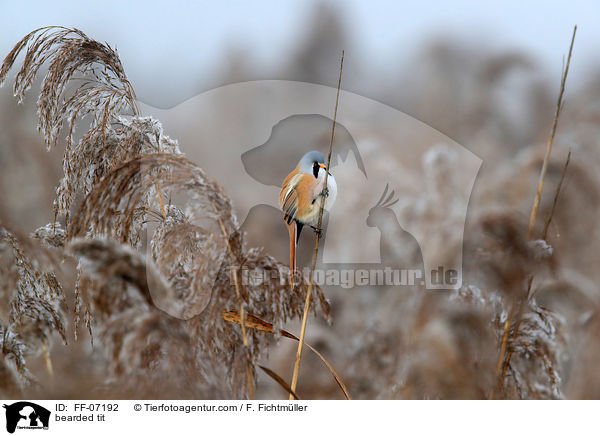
column 318, row 231
column 324, row 193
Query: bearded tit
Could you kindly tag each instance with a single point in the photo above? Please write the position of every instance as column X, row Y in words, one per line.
column 300, row 198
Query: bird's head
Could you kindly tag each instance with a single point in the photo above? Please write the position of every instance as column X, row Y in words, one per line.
column 313, row 163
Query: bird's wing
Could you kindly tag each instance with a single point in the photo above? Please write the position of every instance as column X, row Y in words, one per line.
column 288, row 198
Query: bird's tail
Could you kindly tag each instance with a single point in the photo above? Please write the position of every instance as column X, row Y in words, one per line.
column 292, row 229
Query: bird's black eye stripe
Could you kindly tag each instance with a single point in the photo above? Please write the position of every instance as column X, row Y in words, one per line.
column 316, row 169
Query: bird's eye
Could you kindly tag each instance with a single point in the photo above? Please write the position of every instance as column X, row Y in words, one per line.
column 316, row 169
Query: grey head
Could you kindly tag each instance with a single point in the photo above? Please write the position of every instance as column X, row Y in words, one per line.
column 311, row 162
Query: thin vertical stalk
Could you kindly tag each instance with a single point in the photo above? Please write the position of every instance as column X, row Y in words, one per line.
column 559, row 104
column 47, row 360
column 519, row 306
column 236, row 282
column 316, row 250
column 160, row 201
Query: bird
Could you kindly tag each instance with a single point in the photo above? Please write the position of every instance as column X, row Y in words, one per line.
column 298, row 198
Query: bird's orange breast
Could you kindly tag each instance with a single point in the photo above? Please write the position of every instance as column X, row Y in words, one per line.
column 296, row 196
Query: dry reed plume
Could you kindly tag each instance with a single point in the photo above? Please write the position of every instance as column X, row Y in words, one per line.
column 146, row 251
column 159, row 319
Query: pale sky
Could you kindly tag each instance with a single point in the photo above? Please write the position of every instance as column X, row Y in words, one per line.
column 176, row 46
